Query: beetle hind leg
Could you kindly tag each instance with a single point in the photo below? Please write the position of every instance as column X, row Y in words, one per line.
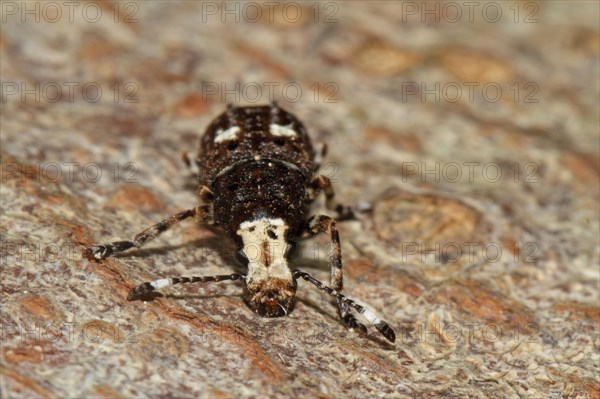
column 102, row 251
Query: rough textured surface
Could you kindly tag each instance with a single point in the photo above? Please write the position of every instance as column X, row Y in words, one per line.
column 490, row 282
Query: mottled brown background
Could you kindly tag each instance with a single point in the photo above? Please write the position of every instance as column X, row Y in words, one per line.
column 518, row 320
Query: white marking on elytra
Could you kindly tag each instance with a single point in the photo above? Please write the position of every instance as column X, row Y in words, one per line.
column 265, row 247
column 162, row 283
column 227, row 134
column 282, row 131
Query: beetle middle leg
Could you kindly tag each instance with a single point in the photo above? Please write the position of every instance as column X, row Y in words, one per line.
column 100, row 251
column 322, row 224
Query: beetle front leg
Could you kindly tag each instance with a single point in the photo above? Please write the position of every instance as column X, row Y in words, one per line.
column 322, row 224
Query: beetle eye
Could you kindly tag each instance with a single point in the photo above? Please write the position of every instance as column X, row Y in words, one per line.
column 291, row 251
column 241, row 258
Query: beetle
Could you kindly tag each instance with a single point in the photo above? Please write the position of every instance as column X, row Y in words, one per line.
column 258, row 177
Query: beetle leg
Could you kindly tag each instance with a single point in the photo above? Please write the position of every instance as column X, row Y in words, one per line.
column 322, row 183
column 101, row 251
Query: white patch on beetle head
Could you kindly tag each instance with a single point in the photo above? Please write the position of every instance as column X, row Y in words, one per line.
column 227, row 134
column 265, row 247
column 282, row 131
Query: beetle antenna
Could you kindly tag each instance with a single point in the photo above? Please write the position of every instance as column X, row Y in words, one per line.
column 379, row 324
column 146, row 288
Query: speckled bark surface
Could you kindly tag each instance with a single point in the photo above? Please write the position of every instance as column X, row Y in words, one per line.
column 491, row 283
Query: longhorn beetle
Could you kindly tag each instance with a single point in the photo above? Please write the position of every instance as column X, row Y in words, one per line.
column 257, row 171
